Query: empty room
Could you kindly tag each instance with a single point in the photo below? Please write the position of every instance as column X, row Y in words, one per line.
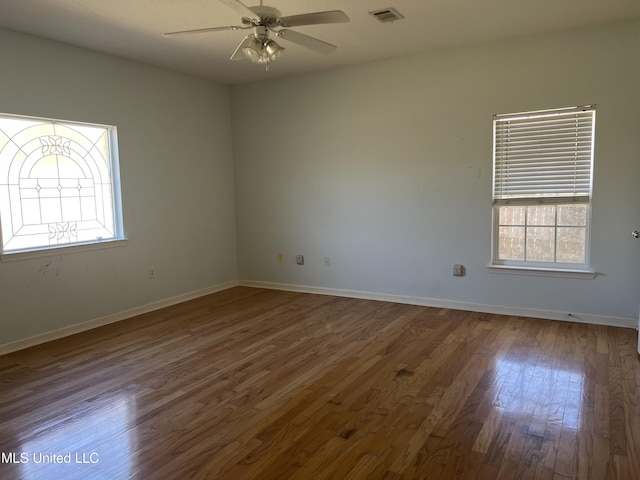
column 319, row 240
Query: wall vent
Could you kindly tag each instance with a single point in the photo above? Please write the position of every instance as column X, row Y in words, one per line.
column 387, row 15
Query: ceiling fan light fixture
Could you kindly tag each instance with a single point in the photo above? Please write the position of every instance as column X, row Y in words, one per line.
column 262, row 50
column 273, row 50
column 253, row 50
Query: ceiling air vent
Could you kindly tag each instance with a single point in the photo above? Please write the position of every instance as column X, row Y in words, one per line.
column 387, row 15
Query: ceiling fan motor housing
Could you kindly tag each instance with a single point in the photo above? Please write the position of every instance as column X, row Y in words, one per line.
column 266, row 16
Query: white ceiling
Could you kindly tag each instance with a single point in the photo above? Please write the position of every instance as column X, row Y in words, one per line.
column 133, row 29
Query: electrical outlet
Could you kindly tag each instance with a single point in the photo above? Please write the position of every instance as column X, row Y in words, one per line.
column 327, row 261
column 458, row 270
column 152, row 273
column 300, row 259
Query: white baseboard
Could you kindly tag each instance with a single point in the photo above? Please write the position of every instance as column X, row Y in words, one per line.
column 115, row 317
column 453, row 304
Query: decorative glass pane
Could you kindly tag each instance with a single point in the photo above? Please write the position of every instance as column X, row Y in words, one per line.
column 46, row 168
column 55, row 183
column 571, row 244
column 88, row 208
column 540, row 244
column 51, row 211
column 71, row 209
column 511, row 243
column 31, row 211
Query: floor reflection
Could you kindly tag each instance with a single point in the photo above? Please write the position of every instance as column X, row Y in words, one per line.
column 551, row 393
column 91, row 443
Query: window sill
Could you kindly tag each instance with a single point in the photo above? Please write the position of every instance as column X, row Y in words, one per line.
column 544, row 272
column 62, row 250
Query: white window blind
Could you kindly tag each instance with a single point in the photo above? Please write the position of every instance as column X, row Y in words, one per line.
column 544, row 155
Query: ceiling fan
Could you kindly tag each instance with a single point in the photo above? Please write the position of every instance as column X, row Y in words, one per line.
column 258, row 47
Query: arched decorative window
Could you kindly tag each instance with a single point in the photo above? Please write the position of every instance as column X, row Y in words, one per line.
column 58, row 183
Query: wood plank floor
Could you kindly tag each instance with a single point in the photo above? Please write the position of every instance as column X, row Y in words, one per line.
column 258, row 384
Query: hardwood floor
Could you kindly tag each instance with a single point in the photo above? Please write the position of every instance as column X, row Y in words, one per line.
column 259, row 384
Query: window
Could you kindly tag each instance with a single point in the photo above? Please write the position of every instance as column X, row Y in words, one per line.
column 542, row 185
column 59, row 184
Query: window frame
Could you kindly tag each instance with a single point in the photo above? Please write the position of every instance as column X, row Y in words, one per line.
column 553, row 268
column 117, row 239
column 541, row 265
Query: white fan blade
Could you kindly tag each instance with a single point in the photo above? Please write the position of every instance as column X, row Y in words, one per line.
column 317, row 18
column 240, row 8
column 204, row 30
column 306, row 41
column 237, row 54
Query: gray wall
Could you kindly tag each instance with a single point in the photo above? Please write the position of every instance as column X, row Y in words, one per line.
column 176, row 167
column 386, row 168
